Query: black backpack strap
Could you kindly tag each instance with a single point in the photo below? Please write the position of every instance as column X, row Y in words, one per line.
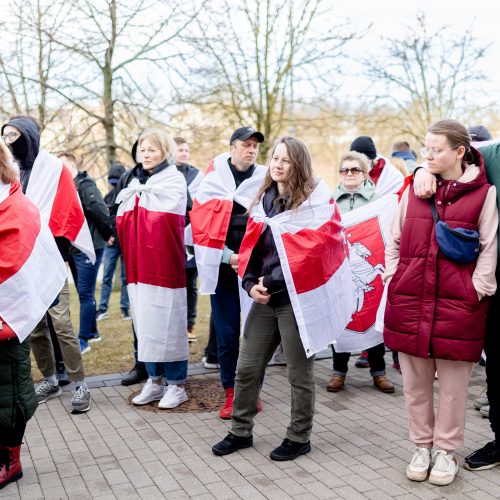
column 435, row 215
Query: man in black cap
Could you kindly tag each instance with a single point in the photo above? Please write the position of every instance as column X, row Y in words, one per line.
column 244, row 147
column 386, row 177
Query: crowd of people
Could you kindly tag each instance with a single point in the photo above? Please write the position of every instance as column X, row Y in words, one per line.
column 286, row 268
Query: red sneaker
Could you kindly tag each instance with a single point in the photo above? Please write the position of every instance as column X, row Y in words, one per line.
column 259, row 405
column 10, row 465
column 227, row 409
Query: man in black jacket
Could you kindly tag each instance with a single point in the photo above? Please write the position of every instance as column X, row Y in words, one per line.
column 111, row 255
column 84, row 272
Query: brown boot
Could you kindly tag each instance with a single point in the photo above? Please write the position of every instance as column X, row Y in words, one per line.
column 191, row 334
column 383, row 384
column 336, row 383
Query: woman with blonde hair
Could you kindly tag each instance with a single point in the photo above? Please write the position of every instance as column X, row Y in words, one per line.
column 150, row 222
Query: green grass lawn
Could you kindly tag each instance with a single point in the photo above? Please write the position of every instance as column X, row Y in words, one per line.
column 115, row 352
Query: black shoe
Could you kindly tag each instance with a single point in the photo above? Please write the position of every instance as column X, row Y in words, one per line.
column 231, row 443
column 135, row 376
column 485, row 458
column 288, row 450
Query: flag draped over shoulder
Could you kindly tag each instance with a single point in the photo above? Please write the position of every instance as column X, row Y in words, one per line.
column 387, row 178
column 32, row 272
column 367, row 231
column 52, row 189
column 150, row 226
column 314, row 259
column 211, row 215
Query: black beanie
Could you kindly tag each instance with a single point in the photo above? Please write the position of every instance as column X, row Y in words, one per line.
column 365, row 145
column 479, row 133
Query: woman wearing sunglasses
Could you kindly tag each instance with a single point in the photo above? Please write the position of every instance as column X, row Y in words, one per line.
column 355, row 190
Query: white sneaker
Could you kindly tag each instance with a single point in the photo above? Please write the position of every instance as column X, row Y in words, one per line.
column 418, row 468
column 445, row 468
column 150, row 392
column 174, row 396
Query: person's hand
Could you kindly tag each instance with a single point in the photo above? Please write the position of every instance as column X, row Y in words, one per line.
column 110, row 241
column 259, row 294
column 424, row 183
column 233, row 262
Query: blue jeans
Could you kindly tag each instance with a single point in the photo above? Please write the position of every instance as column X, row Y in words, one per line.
column 85, row 276
column 111, row 255
column 174, row 372
column 226, row 315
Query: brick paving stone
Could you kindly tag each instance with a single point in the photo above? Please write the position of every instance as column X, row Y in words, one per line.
column 359, row 448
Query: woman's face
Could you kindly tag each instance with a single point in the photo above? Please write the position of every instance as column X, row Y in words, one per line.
column 150, row 155
column 280, row 164
column 351, row 174
column 441, row 157
column 10, row 134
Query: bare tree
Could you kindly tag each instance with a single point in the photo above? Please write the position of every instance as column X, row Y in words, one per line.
column 257, row 60
column 116, row 53
column 426, row 76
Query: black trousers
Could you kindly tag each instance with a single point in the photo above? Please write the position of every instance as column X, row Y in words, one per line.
column 12, row 437
column 375, row 360
column 492, row 350
column 192, row 295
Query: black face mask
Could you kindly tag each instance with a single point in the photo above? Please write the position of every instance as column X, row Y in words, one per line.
column 20, row 149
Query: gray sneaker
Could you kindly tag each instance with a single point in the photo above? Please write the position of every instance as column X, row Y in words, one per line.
column 485, row 411
column 81, row 400
column 47, row 391
column 480, row 402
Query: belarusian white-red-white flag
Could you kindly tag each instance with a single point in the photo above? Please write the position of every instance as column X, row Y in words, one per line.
column 211, row 215
column 32, row 272
column 150, row 225
column 367, row 231
column 52, row 189
column 386, row 177
column 314, row 258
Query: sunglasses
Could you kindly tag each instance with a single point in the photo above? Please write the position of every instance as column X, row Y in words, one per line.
column 352, row 171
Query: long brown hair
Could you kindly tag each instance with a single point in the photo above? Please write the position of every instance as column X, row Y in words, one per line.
column 300, row 182
column 8, row 172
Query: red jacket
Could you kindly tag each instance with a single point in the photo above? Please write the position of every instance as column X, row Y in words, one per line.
column 432, row 307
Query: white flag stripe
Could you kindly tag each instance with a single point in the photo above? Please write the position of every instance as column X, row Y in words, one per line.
column 159, row 342
column 26, row 296
column 207, row 262
column 391, row 179
column 43, row 182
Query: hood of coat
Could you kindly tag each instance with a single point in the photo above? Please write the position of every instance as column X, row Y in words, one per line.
column 31, row 136
column 366, row 190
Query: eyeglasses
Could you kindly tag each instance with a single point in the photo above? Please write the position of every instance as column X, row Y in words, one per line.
column 433, row 151
column 10, row 137
column 352, row 171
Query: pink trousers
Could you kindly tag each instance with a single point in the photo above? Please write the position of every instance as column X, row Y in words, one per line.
column 444, row 430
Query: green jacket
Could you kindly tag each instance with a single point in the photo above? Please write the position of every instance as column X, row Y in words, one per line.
column 16, row 386
column 347, row 201
column 491, row 155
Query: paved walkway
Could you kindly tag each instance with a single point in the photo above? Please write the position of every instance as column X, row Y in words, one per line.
column 359, row 449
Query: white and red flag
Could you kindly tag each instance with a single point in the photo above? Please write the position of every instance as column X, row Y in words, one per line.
column 52, row 189
column 367, row 231
column 150, row 225
column 211, row 215
column 32, row 272
column 314, row 259
column 386, row 177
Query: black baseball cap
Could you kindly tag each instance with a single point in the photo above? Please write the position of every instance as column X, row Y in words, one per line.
column 244, row 133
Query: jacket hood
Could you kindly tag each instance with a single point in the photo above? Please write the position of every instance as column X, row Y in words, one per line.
column 30, row 132
column 116, row 171
column 366, row 190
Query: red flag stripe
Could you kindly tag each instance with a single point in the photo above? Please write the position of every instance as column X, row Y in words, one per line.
column 210, row 222
column 18, row 232
column 153, row 247
column 323, row 257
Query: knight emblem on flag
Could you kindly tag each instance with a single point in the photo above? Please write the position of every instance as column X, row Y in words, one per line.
column 367, row 231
